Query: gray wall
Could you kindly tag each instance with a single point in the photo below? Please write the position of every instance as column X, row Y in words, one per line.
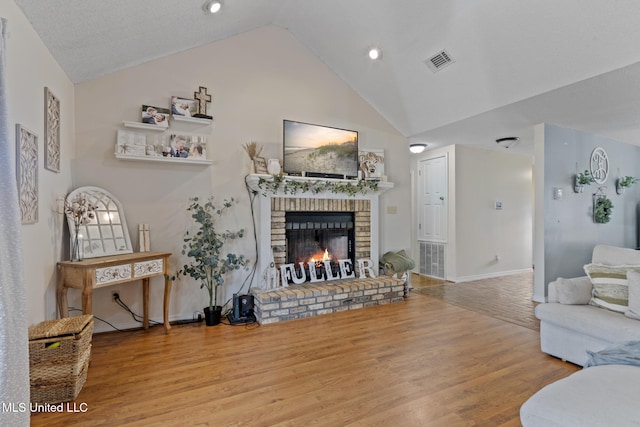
column 569, row 231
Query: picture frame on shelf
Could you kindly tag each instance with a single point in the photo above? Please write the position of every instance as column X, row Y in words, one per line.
column 183, row 107
column 371, row 163
column 260, row 165
column 27, row 174
column 155, row 116
column 51, row 131
column 188, row 146
column 131, row 143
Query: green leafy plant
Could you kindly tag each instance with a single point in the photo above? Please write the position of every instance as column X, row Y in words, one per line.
column 585, row 178
column 293, row 186
column 627, row 181
column 602, row 209
column 204, row 246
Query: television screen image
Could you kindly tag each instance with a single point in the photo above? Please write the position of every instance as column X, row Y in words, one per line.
column 319, row 150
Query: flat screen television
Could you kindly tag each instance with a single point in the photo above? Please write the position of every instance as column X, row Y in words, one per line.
column 319, row 151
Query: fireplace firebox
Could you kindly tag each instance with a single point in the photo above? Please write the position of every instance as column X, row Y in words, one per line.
column 316, row 237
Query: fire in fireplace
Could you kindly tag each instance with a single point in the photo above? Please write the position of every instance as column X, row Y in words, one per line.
column 318, row 238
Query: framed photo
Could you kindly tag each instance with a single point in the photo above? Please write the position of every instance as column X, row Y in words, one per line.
column 187, row 146
column 131, row 143
column 51, row 131
column 183, row 107
column 27, row 174
column 155, row 116
column 260, row 163
column 371, row 163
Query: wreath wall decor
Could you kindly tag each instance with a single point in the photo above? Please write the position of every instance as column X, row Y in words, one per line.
column 602, row 208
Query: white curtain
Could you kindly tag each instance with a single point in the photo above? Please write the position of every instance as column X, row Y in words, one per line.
column 14, row 341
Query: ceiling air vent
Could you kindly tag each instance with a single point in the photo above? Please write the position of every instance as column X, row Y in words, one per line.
column 439, row 61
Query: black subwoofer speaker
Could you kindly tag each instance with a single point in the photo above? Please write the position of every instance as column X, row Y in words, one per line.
column 245, row 305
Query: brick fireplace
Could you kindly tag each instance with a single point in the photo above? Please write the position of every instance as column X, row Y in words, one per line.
column 280, row 206
column 271, row 209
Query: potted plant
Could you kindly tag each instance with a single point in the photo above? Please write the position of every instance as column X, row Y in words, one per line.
column 582, row 179
column 204, row 246
column 602, row 209
column 625, row 182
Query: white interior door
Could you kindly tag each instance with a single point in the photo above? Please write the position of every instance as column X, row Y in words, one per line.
column 432, row 189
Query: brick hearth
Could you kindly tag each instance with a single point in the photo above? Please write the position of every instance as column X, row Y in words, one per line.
column 313, row 299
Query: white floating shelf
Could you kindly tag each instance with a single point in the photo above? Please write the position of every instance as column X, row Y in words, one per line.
column 191, row 119
column 186, row 161
column 145, row 126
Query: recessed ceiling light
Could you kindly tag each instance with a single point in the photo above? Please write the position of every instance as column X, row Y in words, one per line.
column 212, row 6
column 375, row 53
column 417, row 147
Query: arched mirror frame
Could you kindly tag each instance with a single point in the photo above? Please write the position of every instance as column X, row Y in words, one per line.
column 107, row 233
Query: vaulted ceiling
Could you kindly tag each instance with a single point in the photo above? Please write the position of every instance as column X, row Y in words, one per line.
column 573, row 63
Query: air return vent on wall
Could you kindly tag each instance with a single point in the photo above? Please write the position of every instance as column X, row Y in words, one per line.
column 439, row 61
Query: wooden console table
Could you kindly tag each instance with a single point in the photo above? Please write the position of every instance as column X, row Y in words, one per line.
column 113, row 270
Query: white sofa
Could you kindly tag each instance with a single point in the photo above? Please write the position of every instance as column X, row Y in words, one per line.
column 569, row 326
column 598, row 396
column 604, row 395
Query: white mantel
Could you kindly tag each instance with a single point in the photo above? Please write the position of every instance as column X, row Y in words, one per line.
column 262, row 211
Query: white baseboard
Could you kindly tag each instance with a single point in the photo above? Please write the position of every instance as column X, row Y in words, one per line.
column 538, row 298
column 428, row 275
column 489, row 275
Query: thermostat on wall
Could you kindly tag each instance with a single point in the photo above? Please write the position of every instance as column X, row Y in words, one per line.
column 557, row 193
column 498, row 205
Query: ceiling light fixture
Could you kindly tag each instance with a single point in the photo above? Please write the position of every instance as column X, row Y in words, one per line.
column 417, row 148
column 509, row 141
column 375, row 53
column 212, row 6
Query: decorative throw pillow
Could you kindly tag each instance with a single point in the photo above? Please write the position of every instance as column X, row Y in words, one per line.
column 610, row 287
column 573, row 291
column 633, row 280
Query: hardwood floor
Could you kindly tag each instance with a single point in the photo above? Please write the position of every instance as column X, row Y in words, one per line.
column 508, row 298
column 421, row 362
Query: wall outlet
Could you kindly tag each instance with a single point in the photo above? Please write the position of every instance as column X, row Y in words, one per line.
column 115, row 295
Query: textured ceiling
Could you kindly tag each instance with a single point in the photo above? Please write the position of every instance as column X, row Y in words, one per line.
column 518, row 62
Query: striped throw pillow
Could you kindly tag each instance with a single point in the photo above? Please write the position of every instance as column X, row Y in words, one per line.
column 610, row 288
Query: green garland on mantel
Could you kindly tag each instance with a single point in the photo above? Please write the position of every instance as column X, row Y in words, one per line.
column 293, row 186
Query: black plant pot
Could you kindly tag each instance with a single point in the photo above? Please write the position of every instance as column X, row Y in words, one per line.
column 212, row 317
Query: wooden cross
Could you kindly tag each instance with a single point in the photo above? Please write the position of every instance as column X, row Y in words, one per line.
column 203, row 97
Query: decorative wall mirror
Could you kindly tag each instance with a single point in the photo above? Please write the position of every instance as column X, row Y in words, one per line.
column 104, row 234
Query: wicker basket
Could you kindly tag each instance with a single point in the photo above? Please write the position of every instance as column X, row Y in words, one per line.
column 58, row 370
column 61, row 391
column 59, row 355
